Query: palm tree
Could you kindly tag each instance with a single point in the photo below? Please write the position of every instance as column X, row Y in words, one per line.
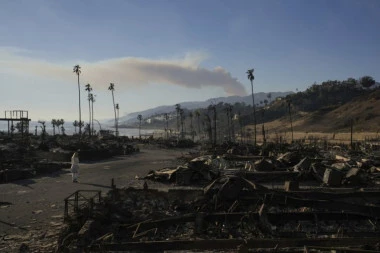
column 178, row 109
column 117, row 109
column 75, row 124
column 57, row 124
column 54, row 123
column 43, row 128
column 251, row 77
column 89, row 89
column 60, row 122
column 92, row 99
column 77, row 71
column 112, row 89
column 139, row 117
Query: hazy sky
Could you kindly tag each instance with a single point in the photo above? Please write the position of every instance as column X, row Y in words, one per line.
column 163, row 52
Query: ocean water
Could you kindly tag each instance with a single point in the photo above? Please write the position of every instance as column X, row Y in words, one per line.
column 70, row 129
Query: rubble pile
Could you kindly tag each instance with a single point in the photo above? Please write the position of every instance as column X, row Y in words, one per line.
column 229, row 213
column 333, row 168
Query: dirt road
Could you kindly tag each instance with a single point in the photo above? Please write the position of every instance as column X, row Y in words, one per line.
column 35, row 203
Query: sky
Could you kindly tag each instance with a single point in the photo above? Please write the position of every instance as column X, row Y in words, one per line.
column 161, row 52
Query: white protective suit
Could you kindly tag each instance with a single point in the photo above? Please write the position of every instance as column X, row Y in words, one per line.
column 75, row 167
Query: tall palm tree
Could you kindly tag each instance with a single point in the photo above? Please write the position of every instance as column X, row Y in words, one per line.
column 89, row 89
column 77, row 71
column 112, row 89
column 251, row 77
column 92, row 99
column 117, row 110
column 139, row 117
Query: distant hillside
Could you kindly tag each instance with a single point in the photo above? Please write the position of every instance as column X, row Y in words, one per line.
column 328, row 109
column 363, row 110
column 261, row 96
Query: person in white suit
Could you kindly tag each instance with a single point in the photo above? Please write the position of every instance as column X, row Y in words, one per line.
column 75, row 167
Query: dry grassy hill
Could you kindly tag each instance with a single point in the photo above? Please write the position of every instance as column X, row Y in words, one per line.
column 363, row 110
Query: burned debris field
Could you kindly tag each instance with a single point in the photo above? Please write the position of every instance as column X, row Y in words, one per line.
column 190, row 126
column 297, row 198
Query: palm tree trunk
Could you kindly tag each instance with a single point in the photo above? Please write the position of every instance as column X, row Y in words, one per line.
column 114, row 109
column 80, row 113
column 140, row 130
column 92, row 115
column 89, row 111
column 117, row 120
column 254, row 113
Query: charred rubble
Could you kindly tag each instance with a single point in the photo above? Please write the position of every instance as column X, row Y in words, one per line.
column 323, row 201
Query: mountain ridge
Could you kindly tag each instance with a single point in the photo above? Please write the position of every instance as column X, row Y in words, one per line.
column 191, row 105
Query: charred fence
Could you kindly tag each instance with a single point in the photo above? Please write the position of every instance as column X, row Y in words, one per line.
column 79, row 201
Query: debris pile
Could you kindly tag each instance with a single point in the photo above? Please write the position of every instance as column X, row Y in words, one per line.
column 333, row 168
column 228, row 213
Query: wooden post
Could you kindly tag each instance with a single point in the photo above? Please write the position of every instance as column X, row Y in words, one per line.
column 76, row 202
